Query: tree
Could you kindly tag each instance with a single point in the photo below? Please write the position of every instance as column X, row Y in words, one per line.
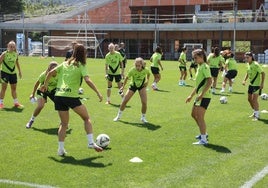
column 11, row 6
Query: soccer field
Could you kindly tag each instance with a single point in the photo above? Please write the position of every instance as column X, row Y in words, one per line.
column 235, row 154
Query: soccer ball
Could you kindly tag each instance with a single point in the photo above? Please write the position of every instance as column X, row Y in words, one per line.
column 223, row 100
column 103, row 140
column 264, row 96
column 80, row 91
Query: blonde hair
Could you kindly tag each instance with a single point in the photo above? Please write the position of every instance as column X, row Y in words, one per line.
column 11, row 43
column 141, row 61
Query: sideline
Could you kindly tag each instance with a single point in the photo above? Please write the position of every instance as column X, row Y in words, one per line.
column 260, row 175
column 24, row 183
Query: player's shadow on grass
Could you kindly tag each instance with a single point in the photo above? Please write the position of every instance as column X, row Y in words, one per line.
column 13, row 109
column 161, row 90
column 118, row 105
column 222, row 94
column 51, row 131
column 238, row 93
column 82, row 162
column 263, row 120
column 149, row 126
column 218, row 148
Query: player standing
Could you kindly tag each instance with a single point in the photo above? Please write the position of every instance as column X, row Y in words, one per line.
column 202, row 90
column 182, row 66
column 155, row 63
column 9, row 61
column 139, row 76
column 69, row 78
column 113, row 62
column 215, row 62
column 256, row 77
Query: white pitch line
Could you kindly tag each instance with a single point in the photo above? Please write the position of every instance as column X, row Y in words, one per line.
column 24, row 183
column 256, row 178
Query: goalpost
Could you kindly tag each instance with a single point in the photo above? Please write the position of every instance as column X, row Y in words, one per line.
column 65, row 42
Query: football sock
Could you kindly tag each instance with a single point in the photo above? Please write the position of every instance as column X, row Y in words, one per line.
column 32, row 118
column 204, row 137
column 16, row 101
column 257, row 113
column 61, row 145
column 90, row 138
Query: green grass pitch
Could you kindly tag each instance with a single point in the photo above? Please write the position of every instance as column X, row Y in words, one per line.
column 237, row 149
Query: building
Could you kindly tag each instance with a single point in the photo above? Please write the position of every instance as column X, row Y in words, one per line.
column 143, row 24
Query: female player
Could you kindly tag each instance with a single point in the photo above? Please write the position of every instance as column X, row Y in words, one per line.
column 42, row 96
column 256, row 77
column 114, row 69
column 202, row 90
column 182, row 66
column 230, row 69
column 69, row 75
column 215, row 62
column 9, row 61
column 155, row 63
column 139, row 76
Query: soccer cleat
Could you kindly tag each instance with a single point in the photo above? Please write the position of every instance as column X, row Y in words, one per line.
column 108, row 102
column 95, row 146
column 18, row 105
column 230, row 90
column 222, row 91
column 1, row 106
column 117, row 118
column 180, row 84
column 201, row 142
column 29, row 124
column 154, row 87
column 198, row 137
column 62, row 152
column 255, row 118
column 144, row 120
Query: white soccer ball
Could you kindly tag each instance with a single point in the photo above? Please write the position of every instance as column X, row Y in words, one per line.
column 80, row 91
column 223, row 100
column 264, row 96
column 103, row 140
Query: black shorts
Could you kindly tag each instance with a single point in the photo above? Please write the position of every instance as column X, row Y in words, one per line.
column 253, row 89
column 46, row 94
column 9, row 78
column 231, row 74
column 182, row 68
column 135, row 88
column 64, row 103
column 203, row 103
column 193, row 65
column 155, row 70
column 214, row 72
column 117, row 77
